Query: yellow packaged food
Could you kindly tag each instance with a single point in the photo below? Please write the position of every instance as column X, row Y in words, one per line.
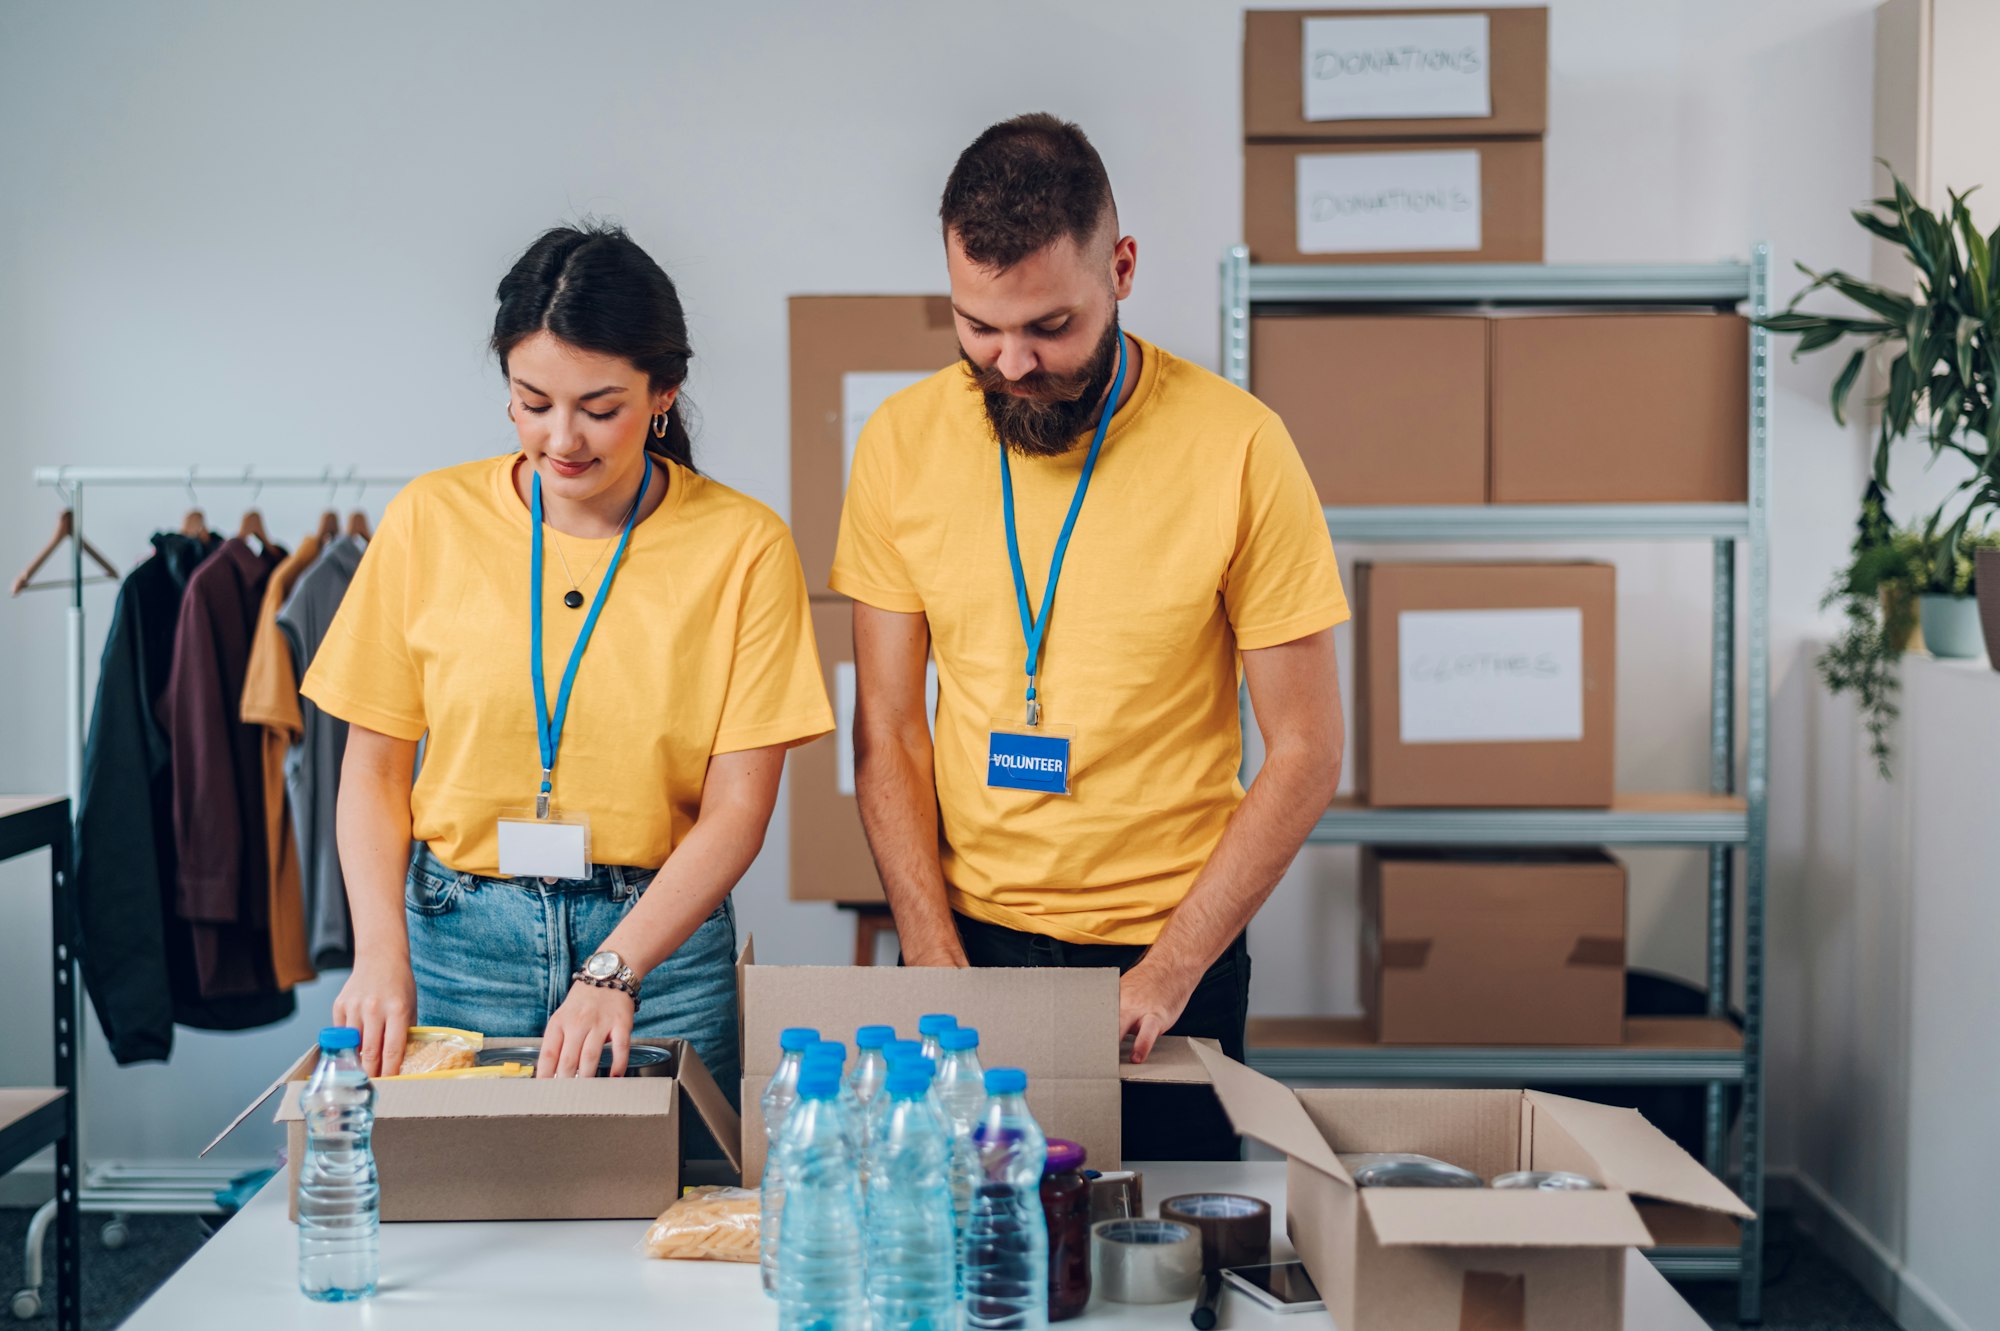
column 432, row 1050
column 707, row 1224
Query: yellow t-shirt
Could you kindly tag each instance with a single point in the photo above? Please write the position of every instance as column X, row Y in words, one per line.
column 704, row 647
column 1200, row 536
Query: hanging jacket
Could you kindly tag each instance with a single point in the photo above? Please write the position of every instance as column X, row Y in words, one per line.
column 137, row 955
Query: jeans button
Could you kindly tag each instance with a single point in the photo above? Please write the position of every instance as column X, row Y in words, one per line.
column 549, row 882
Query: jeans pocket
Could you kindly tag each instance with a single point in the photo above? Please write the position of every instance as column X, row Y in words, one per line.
column 428, row 893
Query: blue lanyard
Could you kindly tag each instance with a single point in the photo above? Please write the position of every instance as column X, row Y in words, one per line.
column 1033, row 627
column 548, row 732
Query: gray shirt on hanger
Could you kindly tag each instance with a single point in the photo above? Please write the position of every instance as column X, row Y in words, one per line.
column 312, row 769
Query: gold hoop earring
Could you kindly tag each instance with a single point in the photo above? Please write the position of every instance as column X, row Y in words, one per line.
column 660, row 426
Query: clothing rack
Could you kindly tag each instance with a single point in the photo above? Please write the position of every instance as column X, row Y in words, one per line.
column 114, row 1188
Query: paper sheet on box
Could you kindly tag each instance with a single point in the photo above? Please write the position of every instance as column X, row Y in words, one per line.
column 1490, row 676
column 1392, row 202
column 1402, row 67
column 861, row 392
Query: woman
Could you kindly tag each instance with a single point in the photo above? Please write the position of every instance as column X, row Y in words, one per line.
column 606, row 655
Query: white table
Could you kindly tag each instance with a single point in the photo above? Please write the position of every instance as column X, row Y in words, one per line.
column 544, row 1274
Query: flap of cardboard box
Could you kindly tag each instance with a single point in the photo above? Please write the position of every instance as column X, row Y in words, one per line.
column 1053, row 1023
column 1482, row 1218
column 1631, row 1154
column 1173, row 1060
column 1267, row 1110
column 292, row 1073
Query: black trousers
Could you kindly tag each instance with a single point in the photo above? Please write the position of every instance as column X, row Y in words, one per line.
column 1160, row 1122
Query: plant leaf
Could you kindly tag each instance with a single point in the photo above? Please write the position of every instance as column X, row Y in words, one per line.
column 1844, row 384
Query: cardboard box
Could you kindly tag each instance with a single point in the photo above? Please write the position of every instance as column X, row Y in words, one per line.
column 1276, row 74
column 1452, row 201
column 830, row 860
column 1385, row 409
column 1621, row 408
column 1060, row 1026
column 525, row 1149
column 1472, row 947
column 1445, row 1259
column 849, row 353
column 1485, row 684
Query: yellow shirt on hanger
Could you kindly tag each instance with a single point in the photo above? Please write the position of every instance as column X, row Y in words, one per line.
column 704, row 647
column 1201, row 536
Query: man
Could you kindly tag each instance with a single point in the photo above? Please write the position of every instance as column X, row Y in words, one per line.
column 1086, row 586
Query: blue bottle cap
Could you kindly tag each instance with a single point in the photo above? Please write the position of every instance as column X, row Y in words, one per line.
column 911, row 1076
column 933, row 1023
column 895, row 1047
column 873, row 1037
column 827, row 1049
column 1006, row 1081
column 819, row 1080
column 795, row 1039
column 905, row 1061
column 335, row 1038
column 959, row 1037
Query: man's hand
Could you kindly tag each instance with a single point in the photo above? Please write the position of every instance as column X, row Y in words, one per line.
column 589, row 1019
column 1150, row 1001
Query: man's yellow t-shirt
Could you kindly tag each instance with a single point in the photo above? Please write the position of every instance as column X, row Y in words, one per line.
column 704, row 647
column 1200, row 536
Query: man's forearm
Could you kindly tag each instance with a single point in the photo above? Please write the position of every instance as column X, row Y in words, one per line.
column 898, row 797
column 1290, row 793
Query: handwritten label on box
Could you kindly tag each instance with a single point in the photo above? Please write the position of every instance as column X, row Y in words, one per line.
column 1490, row 676
column 1415, row 67
column 861, row 393
column 1370, row 203
column 843, row 719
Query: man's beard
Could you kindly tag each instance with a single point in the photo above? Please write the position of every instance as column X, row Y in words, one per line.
column 1048, row 421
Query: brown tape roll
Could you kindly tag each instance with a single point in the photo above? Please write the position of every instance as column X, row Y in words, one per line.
column 1235, row 1230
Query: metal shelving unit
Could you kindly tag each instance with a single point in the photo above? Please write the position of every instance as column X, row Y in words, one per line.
column 1728, row 819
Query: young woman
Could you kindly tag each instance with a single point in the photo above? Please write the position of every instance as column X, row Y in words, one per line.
column 605, row 655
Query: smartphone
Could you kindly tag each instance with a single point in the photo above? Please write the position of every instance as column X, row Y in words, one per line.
column 1280, row 1286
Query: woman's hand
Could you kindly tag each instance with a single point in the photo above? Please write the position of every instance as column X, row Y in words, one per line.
column 379, row 1000
column 589, row 1019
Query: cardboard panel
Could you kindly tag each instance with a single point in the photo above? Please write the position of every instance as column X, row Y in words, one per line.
column 1510, row 202
column 834, row 336
column 1475, row 1130
column 1267, row 1110
column 1385, row 409
column 1274, row 70
column 1500, row 773
column 830, row 860
column 1482, row 1218
column 1632, row 1155
column 1494, row 947
column 1621, row 408
column 1467, row 1289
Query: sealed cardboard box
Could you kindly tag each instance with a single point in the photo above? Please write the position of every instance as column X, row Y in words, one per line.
column 1430, row 201
column 1060, row 1026
column 829, row 856
column 1473, row 947
column 1621, row 408
column 849, row 354
column 1485, row 684
column 1444, row 1259
column 1385, row 409
column 598, row 1148
column 1395, row 73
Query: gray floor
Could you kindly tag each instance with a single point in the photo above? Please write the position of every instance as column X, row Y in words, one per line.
column 1806, row 1292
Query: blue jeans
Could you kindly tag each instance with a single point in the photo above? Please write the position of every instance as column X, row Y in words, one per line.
column 495, row 955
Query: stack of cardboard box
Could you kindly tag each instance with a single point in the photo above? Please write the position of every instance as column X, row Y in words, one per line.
column 848, row 355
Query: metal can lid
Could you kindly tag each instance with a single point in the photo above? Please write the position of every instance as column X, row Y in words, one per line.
column 1548, row 1180
column 1389, row 1169
column 638, row 1056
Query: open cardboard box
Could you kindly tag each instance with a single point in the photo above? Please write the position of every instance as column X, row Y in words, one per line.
column 599, row 1148
column 1444, row 1259
column 1060, row 1026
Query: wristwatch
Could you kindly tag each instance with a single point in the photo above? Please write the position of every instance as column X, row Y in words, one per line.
column 607, row 970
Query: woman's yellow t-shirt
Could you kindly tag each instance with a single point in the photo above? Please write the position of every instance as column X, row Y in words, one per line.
column 705, row 646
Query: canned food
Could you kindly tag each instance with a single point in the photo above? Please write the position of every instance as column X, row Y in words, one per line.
column 1548, row 1180
column 1374, row 1169
column 642, row 1060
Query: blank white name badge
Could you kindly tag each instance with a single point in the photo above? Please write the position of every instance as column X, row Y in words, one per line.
column 554, row 847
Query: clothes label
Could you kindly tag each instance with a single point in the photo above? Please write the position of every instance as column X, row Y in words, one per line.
column 533, row 847
column 1018, row 761
column 1490, row 676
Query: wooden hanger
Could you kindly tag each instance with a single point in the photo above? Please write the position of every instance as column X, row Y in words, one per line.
column 329, row 526
column 253, row 526
column 65, row 529
column 195, row 525
column 357, row 524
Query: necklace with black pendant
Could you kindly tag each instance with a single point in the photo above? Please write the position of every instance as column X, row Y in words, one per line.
column 573, row 598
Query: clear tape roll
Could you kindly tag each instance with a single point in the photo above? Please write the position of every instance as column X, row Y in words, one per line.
column 1146, row 1261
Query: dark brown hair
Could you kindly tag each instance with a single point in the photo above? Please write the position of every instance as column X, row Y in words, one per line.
column 1023, row 185
column 595, row 289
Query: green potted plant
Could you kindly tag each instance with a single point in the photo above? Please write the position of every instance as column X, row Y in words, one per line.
column 1878, row 608
column 1945, row 575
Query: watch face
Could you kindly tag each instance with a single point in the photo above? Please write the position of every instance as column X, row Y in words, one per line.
column 603, row 965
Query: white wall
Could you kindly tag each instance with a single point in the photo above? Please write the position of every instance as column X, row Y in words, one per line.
column 236, row 233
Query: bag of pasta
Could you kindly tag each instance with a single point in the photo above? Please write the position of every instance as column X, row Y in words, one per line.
column 707, row 1224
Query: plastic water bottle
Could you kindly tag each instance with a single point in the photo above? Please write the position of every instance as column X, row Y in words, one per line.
column 862, row 1086
column 339, row 1213
column 961, row 1094
column 779, row 1095
column 929, row 1027
column 1007, row 1239
column 912, row 1252
column 820, row 1248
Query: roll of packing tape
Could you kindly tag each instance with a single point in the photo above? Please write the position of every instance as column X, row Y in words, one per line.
column 1146, row 1261
column 1235, row 1230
